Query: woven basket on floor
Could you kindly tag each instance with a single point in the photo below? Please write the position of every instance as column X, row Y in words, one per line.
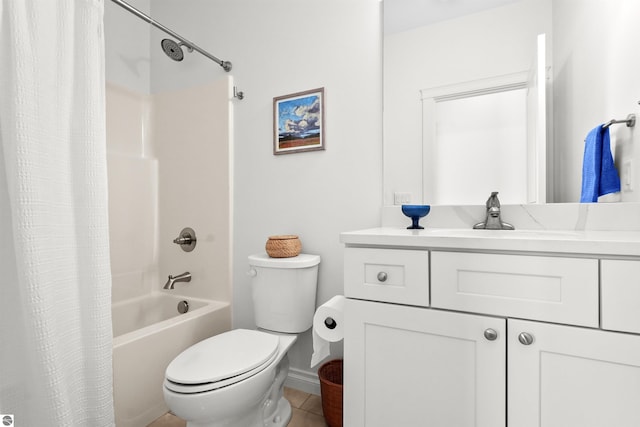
column 285, row 246
column 331, row 391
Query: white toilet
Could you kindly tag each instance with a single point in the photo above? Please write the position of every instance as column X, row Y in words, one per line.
column 236, row 379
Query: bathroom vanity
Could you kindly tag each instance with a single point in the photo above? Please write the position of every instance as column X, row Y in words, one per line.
column 456, row 327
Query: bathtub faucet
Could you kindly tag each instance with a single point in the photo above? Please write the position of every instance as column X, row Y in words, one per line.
column 184, row 277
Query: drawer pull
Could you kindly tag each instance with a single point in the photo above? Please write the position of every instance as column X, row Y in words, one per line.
column 382, row 276
column 490, row 334
column 525, row 338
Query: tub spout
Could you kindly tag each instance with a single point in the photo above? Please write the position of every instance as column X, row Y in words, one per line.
column 171, row 281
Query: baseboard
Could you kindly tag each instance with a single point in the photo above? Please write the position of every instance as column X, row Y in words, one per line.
column 303, row 381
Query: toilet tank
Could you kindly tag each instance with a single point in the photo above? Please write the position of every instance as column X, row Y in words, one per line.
column 284, row 291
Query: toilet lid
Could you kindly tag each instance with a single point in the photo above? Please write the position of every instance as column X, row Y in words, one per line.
column 230, row 354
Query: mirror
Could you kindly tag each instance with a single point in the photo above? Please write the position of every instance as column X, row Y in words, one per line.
column 591, row 77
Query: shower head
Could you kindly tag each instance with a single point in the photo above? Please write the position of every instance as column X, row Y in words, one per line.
column 172, row 49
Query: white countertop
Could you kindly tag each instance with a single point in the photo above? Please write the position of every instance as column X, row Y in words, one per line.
column 613, row 244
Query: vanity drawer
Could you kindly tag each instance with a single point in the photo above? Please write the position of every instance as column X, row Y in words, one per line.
column 388, row 275
column 620, row 283
column 553, row 289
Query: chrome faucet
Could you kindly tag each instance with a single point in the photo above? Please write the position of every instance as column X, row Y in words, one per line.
column 184, row 277
column 493, row 221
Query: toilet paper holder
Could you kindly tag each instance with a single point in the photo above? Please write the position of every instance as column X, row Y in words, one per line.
column 330, row 323
column 327, row 328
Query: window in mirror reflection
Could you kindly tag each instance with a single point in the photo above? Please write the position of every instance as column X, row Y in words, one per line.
column 485, row 137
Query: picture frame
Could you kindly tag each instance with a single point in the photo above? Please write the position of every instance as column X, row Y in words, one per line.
column 298, row 122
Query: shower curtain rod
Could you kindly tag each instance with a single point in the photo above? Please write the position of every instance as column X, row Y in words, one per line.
column 224, row 64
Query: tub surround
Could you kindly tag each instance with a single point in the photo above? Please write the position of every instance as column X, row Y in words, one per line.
column 144, row 146
column 133, row 194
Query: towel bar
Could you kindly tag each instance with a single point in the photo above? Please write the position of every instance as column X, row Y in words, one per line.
column 630, row 121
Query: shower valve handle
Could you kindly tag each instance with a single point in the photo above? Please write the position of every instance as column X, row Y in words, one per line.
column 182, row 240
column 186, row 239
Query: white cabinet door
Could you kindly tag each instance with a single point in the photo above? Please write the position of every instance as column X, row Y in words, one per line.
column 409, row 366
column 571, row 376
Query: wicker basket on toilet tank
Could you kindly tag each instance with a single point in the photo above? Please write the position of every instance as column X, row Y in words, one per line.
column 284, row 246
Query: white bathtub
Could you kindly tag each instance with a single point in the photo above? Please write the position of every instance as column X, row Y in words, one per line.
column 148, row 333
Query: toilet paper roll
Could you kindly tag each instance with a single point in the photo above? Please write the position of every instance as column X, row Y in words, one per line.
column 328, row 327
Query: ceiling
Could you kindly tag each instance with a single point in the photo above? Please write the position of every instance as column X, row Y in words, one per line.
column 403, row 15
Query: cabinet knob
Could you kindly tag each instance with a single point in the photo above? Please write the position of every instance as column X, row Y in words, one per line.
column 525, row 338
column 490, row 334
column 382, row 276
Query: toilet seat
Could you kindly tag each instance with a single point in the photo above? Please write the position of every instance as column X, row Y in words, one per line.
column 221, row 360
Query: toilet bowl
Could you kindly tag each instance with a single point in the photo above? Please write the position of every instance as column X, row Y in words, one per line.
column 231, row 379
column 236, row 379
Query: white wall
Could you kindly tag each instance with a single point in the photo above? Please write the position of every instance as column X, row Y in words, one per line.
column 279, row 47
column 596, row 69
column 128, row 62
column 486, row 44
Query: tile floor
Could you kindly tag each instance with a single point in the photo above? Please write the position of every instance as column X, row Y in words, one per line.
column 307, row 409
column 307, row 412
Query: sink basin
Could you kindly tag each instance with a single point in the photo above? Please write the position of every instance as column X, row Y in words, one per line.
column 502, row 234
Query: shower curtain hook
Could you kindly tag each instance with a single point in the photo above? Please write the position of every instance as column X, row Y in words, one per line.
column 237, row 94
column 188, row 46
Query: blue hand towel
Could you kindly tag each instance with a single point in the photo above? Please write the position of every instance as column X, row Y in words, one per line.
column 599, row 174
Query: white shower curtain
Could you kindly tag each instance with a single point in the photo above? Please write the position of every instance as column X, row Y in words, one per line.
column 55, row 284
